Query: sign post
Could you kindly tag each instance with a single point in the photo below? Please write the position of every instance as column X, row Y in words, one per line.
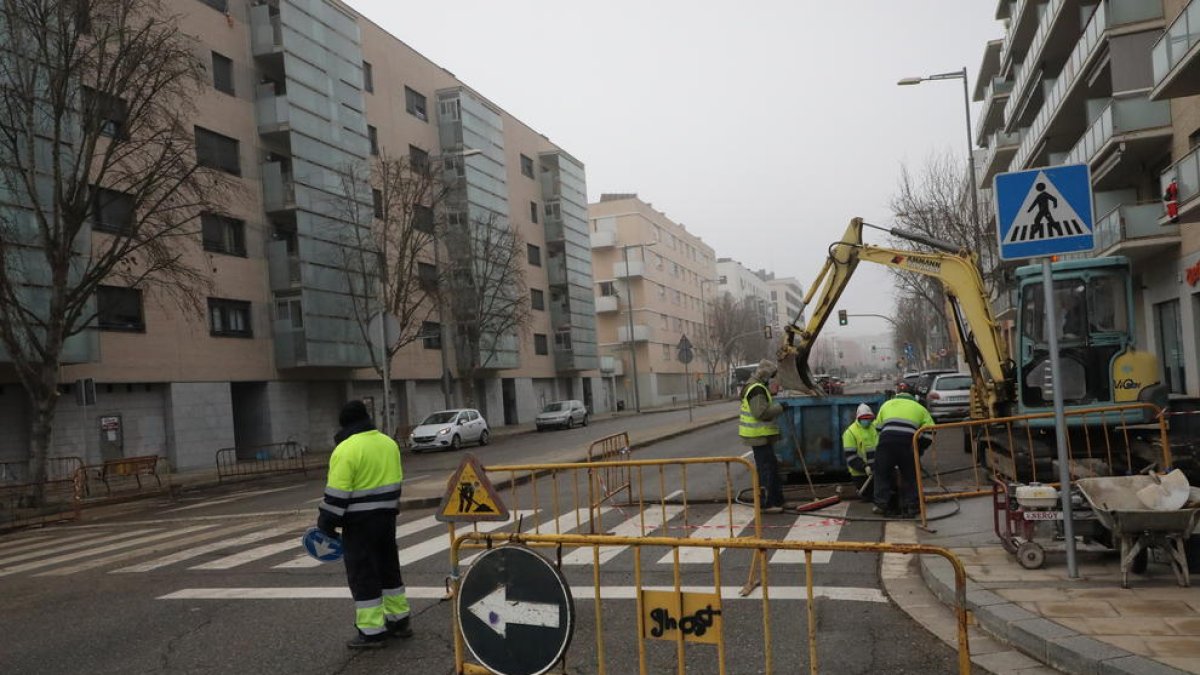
column 1063, row 223
column 685, row 355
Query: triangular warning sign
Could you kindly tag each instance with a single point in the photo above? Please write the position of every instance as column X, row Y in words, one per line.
column 470, row 496
column 1045, row 214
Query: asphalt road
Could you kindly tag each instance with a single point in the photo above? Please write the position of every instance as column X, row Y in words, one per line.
column 218, row 584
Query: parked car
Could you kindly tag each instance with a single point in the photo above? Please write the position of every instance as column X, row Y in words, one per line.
column 562, row 414
column 949, row 397
column 921, row 388
column 907, row 381
column 449, row 429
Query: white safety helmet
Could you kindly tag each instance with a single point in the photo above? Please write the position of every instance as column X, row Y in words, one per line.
column 864, row 412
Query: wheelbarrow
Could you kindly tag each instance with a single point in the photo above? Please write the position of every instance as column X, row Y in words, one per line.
column 1138, row 529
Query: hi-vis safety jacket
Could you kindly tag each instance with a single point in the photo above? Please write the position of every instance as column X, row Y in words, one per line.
column 859, row 441
column 364, row 477
column 750, row 426
column 900, row 418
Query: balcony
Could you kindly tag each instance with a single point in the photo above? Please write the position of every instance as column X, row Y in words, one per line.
column 992, row 115
column 279, row 193
column 1128, row 121
column 604, row 239
column 1001, row 148
column 291, row 345
column 1020, row 28
column 606, row 303
column 266, row 35
column 636, row 268
column 1133, row 230
column 611, row 366
column 285, row 270
column 1175, row 56
column 1186, row 173
column 641, row 333
column 271, row 113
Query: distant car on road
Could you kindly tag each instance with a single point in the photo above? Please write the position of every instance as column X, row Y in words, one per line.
column 449, row 429
column 949, row 397
column 562, row 414
column 829, row 384
column 907, row 381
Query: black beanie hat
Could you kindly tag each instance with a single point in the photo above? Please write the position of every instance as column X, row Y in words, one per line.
column 352, row 412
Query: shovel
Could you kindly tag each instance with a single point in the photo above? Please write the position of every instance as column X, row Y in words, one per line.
column 1167, row 493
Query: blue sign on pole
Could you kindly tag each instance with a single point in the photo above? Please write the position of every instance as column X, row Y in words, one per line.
column 1044, row 212
column 322, row 546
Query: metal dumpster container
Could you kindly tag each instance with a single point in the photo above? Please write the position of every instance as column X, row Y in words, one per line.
column 814, row 425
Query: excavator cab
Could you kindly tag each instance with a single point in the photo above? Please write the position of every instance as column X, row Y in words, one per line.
column 1094, row 312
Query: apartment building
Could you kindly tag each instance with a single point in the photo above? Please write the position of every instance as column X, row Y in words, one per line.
column 787, row 300
column 650, row 275
column 1112, row 84
column 300, row 90
column 745, row 286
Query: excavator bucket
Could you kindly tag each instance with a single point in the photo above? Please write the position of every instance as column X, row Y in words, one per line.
column 794, row 373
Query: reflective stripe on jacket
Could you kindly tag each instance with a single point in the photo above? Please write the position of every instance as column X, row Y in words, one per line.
column 901, row 416
column 861, row 441
column 750, row 426
column 364, row 476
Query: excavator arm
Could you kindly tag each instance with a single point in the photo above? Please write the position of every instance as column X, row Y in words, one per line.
column 985, row 352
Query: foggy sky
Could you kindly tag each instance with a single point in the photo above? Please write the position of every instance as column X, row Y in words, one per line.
column 763, row 126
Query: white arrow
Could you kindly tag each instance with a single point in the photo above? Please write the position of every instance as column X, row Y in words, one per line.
column 497, row 611
column 322, row 548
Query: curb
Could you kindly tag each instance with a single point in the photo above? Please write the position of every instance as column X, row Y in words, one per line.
column 425, row 502
column 1050, row 643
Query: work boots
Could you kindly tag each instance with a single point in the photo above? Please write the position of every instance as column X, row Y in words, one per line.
column 400, row 629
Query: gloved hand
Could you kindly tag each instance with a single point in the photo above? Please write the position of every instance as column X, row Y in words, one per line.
column 923, row 443
column 870, row 470
column 858, row 464
column 327, row 523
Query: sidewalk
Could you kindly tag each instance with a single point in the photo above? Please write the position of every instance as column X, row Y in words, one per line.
column 1086, row 625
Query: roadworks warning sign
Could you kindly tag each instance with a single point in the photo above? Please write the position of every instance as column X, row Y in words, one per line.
column 470, row 496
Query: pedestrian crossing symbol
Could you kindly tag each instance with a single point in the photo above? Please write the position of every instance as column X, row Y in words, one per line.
column 1044, row 211
column 470, row 496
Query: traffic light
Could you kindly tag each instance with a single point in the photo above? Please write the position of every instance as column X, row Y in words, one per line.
column 872, row 349
column 767, row 332
column 842, row 320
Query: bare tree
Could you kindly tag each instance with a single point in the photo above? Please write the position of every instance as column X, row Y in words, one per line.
column 99, row 160
column 483, row 287
column 735, row 333
column 389, row 257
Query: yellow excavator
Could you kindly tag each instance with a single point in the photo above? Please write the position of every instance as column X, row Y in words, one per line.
column 1099, row 362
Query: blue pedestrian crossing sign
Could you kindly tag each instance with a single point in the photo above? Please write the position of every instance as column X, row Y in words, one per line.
column 1043, row 212
column 322, row 546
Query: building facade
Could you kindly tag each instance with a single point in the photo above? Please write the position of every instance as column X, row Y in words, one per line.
column 787, row 301
column 745, row 286
column 1112, row 84
column 300, row 90
column 649, row 273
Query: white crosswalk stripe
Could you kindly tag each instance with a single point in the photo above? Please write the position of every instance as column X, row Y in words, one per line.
column 824, row 528
column 190, row 553
column 72, row 543
column 639, row 524
column 139, row 552
column 573, row 521
column 717, row 527
column 402, row 531
column 103, row 549
column 441, row 543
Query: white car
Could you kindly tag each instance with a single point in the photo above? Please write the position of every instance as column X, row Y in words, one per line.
column 564, row 414
column 449, row 429
column 949, row 397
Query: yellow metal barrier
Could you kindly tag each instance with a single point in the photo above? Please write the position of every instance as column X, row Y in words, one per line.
column 610, row 481
column 1012, row 448
column 758, row 545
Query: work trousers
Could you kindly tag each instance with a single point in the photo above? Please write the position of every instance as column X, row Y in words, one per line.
column 373, row 571
column 769, row 485
column 894, row 453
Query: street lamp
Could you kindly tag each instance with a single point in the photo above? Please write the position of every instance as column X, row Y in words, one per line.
column 707, row 337
column 637, row 401
column 957, row 75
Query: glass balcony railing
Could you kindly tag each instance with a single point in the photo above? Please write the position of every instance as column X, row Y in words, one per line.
column 278, row 191
column 998, row 142
column 1130, row 222
column 266, row 30
column 1118, row 117
column 1006, row 46
column 1034, row 55
column 1180, row 36
column 604, row 239
column 1186, row 174
column 997, row 87
column 271, row 113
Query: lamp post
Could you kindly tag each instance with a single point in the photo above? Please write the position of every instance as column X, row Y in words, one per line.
column 637, row 400
column 957, row 75
column 707, row 337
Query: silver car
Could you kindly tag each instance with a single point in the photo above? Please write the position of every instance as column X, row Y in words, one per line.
column 449, row 429
column 949, row 397
column 562, row 414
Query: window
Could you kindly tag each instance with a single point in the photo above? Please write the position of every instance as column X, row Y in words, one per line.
column 373, row 137
column 662, row 291
column 229, row 318
column 368, row 78
column 427, row 275
column 540, row 345
column 418, row 159
column 112, row 211
column 377, row 202
column 223, row 234
column 109, row 112
column 217, row 152
column 678, row 297
column 290, row 310
column 722, row 281
column 533, row 211
column 537, row 299
column 119, row 309
column 607, row 289
column 222, row 73
column 431, row 335
column 666, row 352
column 414, row 103
column 219, row 5
column 422, row 218
column 526, row 166
column 562, row 341
column 666, row 322
column 535, row 255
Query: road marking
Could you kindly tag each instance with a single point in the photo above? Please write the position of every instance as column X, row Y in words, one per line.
column 728, row 593
column 808, row 528
column 144, row 551
column 188, row 554
column 176, row 521
column 307, row 561
column 565, row 523
column 231, row 498
column 411, row 554
column 103, row 549
column 716, row 527
column 631, row 527
column 56, row 546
